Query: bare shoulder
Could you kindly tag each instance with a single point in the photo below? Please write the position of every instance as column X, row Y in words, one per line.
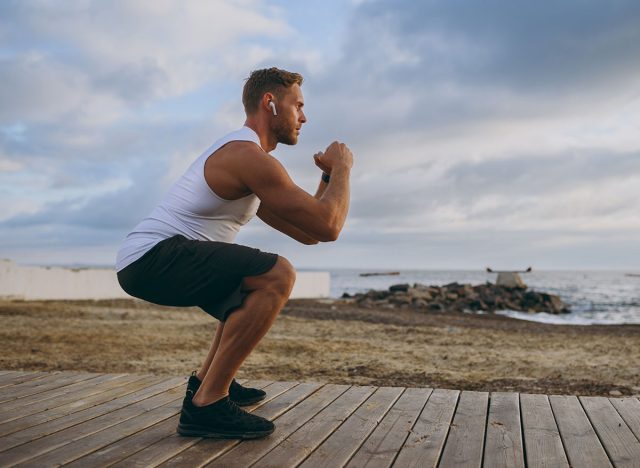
column 247, row 155
column 226, row 169
column 254, row 162
column 239, row 157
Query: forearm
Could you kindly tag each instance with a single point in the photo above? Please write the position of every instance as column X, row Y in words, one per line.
column 336, row 197
column 285, row 227
column 322, row 186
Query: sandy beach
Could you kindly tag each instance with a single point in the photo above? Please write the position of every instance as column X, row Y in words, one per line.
column 330, row 341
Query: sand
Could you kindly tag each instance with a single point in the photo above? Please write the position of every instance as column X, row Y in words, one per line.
column 330, row 341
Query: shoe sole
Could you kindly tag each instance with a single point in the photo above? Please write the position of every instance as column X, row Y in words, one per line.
column 242, row 402
column 196, row 431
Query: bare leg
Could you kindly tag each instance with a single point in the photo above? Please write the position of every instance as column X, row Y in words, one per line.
column 244, row 329
column 212, row 352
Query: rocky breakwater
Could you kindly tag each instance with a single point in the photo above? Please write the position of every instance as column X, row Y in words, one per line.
column 460, row 297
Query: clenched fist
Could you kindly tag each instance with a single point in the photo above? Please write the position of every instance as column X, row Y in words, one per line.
column 336, row 155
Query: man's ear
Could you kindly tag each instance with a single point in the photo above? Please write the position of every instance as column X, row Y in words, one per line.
column 266, row 99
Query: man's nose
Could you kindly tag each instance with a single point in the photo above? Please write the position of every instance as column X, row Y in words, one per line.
column 303, row 118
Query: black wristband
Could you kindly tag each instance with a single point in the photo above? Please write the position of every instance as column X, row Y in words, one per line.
column 326, row 177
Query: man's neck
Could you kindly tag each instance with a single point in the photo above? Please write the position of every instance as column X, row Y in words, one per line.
column 267, row 140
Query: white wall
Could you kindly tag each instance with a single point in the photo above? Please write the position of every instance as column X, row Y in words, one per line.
column 36, row 283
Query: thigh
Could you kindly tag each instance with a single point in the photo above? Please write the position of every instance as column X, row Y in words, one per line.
column 183, row 272
column 281, row 272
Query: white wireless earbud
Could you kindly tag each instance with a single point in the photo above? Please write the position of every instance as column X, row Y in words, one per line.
column 273, row 107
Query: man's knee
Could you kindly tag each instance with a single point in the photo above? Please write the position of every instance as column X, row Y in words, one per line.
column 284, row 276
column 279, row 279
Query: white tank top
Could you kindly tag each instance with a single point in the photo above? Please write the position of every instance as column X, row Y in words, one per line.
column 192, row 209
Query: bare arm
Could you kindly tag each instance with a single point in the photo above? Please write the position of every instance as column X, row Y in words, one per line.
column 266, row 215
column 320, row 218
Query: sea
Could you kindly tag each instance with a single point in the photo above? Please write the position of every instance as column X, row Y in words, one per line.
column 595, row 297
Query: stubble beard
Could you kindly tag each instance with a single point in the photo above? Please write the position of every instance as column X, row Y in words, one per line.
column 285, row 134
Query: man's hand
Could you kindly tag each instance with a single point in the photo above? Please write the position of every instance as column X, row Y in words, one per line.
column 336, row 155
column 319, row 163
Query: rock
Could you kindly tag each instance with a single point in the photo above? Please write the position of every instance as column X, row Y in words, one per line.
column 419, row 303
column 531, row 299
column 400, row 299
column 557, row 305
column 459, row 297
column 476, row 304
column 511, row 305
column 616, row 393
column 488, row 297
column 420, row 293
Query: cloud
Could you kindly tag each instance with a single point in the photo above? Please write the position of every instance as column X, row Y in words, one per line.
column 91, row 95
column 494, row 130
column 468, row 118
column 435, row 65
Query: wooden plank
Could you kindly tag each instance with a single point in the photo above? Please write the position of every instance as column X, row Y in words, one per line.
column 42, row 385
column 52, row 442
column 347, row 439
column 295, row 448
column 621, row 445
column 542, row 441
column 205, row 450
column 56, row 397
column 503, row 438
column 163, row 448
column 103, row 437
column 426, row 441
column 629, row 410
column 131, row 384
column 10, row 377
column 133, row 444
column 32, row 379
column 45, row 437
column 139, row 442
column 465, row 442
column 581, row 444
column 384, row 443
column 21, row 377
column 249, row 451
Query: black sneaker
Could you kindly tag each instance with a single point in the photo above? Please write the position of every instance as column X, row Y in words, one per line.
column 241, row 396
column 222, row 420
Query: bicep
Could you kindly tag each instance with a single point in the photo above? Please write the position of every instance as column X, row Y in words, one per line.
column 279, row 194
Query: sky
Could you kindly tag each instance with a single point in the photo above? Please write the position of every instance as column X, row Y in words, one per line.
column 493, row 133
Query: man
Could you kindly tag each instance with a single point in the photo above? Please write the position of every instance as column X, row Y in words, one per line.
column 182, row 254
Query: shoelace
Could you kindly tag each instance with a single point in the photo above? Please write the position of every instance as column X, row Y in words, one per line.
column 236, row 410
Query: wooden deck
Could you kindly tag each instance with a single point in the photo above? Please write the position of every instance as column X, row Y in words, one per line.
column 86, row 420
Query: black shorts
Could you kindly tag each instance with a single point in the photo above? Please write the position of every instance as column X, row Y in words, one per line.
column 181, row 272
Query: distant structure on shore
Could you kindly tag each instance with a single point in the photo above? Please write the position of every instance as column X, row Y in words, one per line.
column 384, row 273
column 510, row 279
column 58, row 283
